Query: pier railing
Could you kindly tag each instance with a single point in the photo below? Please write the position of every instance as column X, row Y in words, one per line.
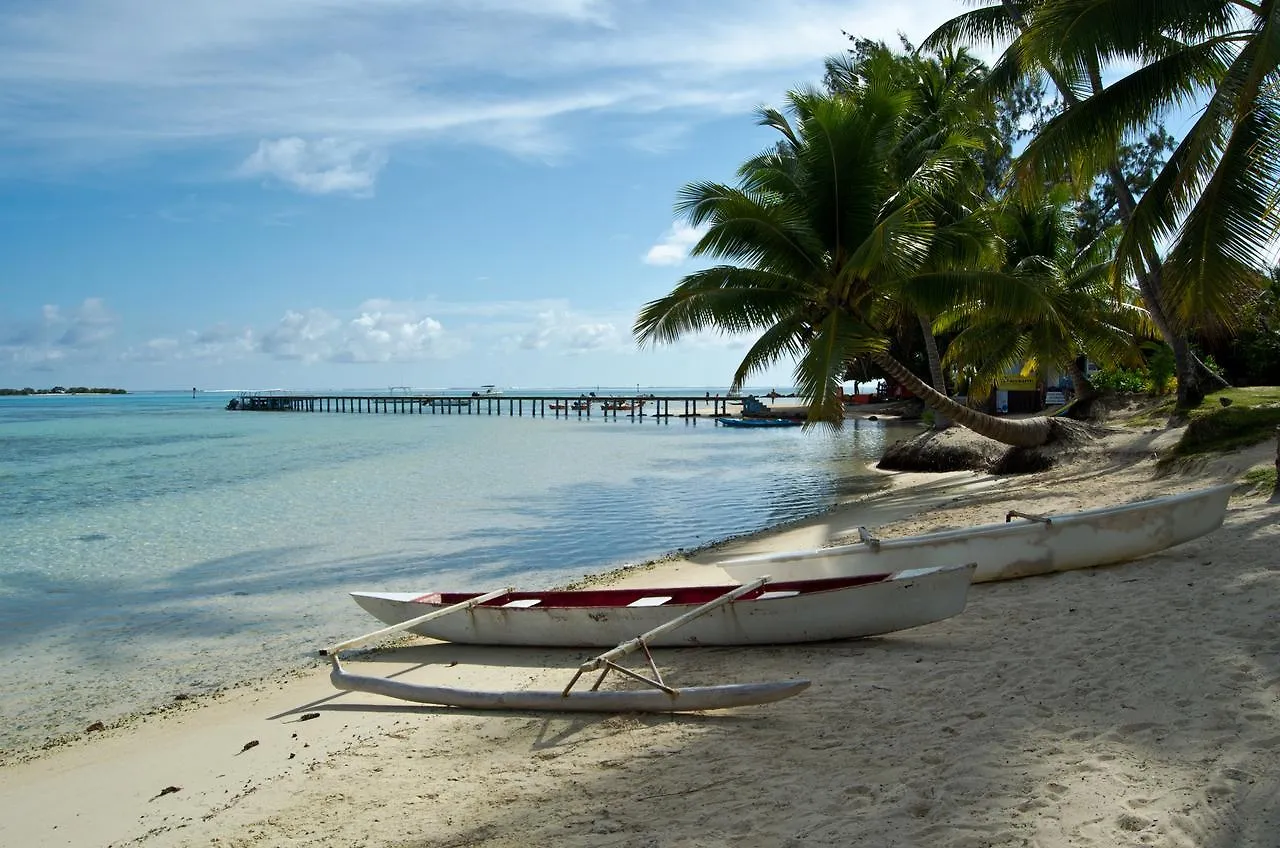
column 579, row 406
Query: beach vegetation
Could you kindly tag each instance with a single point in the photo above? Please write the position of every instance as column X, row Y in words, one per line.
column 829, row 234
column 1262, row 478
column 944, row 103
column 1194, row 236
column 1121, row 381
column 1076, row 314
column 1252, row 357
column 60, row 390
column 1228, row 420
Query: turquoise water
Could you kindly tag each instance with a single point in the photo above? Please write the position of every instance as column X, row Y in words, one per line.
column 155, row 544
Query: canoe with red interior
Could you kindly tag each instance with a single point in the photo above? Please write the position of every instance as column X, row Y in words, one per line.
column 777, row 613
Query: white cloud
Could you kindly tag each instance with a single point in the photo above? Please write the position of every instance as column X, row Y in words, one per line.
column 301, row 335
column 390, row 336
column 325, row 166
column 89, row 324
column 60, row 335
column 673, row 248
column 154, row 350
column 567, row 331
column 108, row 78
column 589, row 337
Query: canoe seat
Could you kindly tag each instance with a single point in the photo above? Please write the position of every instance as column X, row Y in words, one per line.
column 523, row 603
column 653, row 601
column 769, row 596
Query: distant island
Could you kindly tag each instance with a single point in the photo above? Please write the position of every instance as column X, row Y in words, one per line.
column 59, row 390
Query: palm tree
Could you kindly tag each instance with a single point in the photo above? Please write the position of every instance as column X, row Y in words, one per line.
column 1077, row 311
column 821, row 239
column 1071, row 40
column 944, row 103
column 1213, row 197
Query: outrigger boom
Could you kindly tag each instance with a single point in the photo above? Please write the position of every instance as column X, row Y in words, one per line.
column 658, row 698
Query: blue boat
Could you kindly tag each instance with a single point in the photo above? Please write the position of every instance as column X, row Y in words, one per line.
column 761, row 422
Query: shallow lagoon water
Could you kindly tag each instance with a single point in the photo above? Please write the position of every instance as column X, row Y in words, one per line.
column 155, row 544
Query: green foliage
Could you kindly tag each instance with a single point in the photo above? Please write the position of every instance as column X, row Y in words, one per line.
column 862, row 213
column 1253, row 357
column 1139, row 161
column 1160, row 369
column 1155, row 378
column 59, row 390
column 1121, row 380
column 1252, row 417
column 1263, row 478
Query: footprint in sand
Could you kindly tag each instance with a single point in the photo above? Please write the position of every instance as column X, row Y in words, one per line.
column 1136, row 727
column 1132, row 823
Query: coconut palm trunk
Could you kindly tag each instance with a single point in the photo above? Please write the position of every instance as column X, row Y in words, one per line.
column 1084, row 389
column 940, row 421
column 1019, row 432
column 1150, row 284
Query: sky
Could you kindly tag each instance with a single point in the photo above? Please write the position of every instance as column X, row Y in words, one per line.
column 307, row 194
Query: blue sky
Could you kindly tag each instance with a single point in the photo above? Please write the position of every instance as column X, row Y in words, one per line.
column 367, row 193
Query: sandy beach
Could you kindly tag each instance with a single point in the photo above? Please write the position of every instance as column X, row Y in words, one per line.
column 1131, row 705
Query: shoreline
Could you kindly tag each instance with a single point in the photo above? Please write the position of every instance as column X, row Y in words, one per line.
column 1091, row 708
column 629, row 574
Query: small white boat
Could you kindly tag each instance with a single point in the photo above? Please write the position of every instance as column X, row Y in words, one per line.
column 777, row 613
column 760, row 422
column 1033, row 545
column 759, row 612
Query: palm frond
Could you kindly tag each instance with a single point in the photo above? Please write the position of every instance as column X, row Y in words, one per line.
column 989, row 26
column 729, row 298
column 1082, row 141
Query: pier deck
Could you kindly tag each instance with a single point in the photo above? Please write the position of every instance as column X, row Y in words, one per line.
column 538, row 406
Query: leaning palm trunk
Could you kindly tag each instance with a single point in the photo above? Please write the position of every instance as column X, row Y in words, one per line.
column 1022, row 433
column 940, row 421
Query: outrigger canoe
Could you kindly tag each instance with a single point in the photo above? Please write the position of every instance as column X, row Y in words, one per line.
column 796, row 611
column 1031, row 545
column 759, row 612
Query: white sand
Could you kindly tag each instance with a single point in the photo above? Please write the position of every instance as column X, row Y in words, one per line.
column 1133, row 705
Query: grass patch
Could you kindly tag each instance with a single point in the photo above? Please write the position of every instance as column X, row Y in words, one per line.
column 1263, row 478
column 1156, row 414
column 1250, row 416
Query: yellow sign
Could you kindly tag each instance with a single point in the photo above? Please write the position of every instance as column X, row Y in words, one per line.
column 1017, row 383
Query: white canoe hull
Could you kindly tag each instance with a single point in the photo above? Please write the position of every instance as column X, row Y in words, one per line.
column 898, row 601
column 1019, row 549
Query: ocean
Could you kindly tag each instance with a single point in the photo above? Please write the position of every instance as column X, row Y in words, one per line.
column 154, row 544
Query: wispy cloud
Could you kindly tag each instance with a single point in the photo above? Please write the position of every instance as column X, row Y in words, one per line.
column 288, row 87
column 567, row 331
column 674, row 246
column 326, row 166
column 367, row 337
column 374, row 332
column 59, row 335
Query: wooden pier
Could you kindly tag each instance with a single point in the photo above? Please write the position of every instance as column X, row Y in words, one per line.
column 537, row 406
